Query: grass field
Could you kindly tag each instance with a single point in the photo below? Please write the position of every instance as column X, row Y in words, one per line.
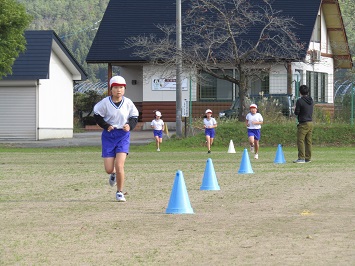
column 57, row 208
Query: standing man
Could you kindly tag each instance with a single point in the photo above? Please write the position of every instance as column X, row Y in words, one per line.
column 304, row 113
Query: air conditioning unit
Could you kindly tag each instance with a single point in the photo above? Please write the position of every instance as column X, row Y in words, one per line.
column 315, row 55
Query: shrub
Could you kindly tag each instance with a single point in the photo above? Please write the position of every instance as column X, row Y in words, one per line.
column 83, row 106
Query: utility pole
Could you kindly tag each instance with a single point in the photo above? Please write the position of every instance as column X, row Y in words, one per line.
column 178, row 70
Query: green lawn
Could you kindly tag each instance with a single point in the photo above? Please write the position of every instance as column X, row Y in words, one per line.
column 57, row 208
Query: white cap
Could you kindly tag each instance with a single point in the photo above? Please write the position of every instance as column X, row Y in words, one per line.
column 208, row 111
column 117, row 81
column 157, row 113
column 253, row 106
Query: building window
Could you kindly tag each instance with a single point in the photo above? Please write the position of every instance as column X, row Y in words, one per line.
column 211, row 88
column 318, row 85
column 324, row 82
column 260, row 83
column 298, row 79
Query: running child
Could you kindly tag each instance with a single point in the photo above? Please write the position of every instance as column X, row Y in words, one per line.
column 209, row 124
column 254, row 121
column 117, row 115
column 158, row 125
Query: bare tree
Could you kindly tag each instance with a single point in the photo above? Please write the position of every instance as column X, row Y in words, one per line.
column 222, row 34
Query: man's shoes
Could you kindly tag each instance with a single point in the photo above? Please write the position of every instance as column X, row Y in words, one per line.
column 307, row 161
column 112, row 179
column 256, row 156
column 299, row 161
column 158, row 149
column 120, row 197
column 209, row 152
column 252, row 149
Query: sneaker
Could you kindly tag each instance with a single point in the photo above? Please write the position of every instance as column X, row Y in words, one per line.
column 112, row 179
column 158, row 149
column 307, row 161
column 252, row 149
column 256, row 156
column 120, row 197
column 209, row 152
column 299, row 161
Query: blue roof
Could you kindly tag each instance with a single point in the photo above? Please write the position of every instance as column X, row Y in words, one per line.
column 34, row 63
column 132, row 18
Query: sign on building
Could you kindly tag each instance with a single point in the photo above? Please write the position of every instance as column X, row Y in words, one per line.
column 167, row 84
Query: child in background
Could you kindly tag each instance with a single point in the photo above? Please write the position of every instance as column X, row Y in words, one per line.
column 253, row 122
column 209, row 124
column 158, row 125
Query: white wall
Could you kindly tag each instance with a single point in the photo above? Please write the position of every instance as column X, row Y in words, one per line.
column 153, row 72
column 143, row 91
column 278, row 80
column 55, row 103
column 134, row 92
column 325, row 65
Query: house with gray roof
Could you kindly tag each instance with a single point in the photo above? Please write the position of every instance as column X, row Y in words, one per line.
column 320, row 24
column 36, row 100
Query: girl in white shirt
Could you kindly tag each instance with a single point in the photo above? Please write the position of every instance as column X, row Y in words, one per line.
column 209, row 123
column 158, row 125
column 254, row 121
column 117, row 116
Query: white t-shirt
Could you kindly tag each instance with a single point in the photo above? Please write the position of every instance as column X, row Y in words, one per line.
column 257, row 117
column 117, row 116
column 157, row 124
column 210, row 122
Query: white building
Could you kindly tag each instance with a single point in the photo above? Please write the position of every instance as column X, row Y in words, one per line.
column 320, row 27
column 36, row 101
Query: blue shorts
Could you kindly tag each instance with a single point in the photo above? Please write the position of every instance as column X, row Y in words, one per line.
column 210, row 132
column 115, row 141
column 158, row 133
column 254, row 133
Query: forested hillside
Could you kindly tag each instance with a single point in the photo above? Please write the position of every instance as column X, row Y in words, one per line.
column 76, row 23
